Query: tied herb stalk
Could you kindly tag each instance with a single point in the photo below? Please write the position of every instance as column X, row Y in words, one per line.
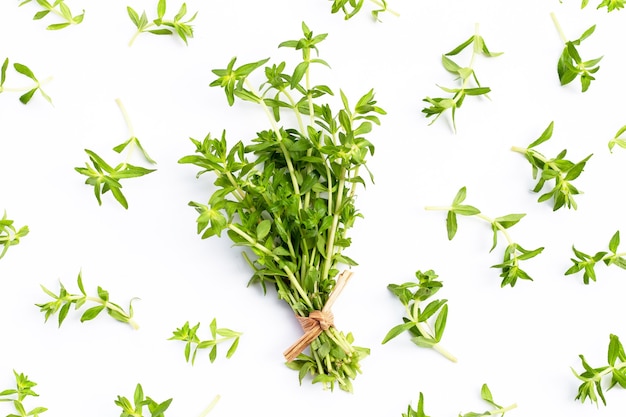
column 289, row 197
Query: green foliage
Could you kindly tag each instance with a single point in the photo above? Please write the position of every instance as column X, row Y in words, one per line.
column 58, row 8
column 557, row 169
column 193, row 343
column 29, row 92
column 609, row 4
column 63, row 301
column 592, row 378
column 586, row 263
column 513, row 254
column 140, row 401
column 618, row 140
column 289, row 195
column 351, row 7
column 23, row 388
column 161, row 25
column 465, row 75
column 9, row 235
column 419, row 320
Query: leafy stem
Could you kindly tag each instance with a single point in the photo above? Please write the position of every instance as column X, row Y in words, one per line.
column 9, row 235
column 177, row 25
column 618, row 140
column 140, row 401
column 23, row 388
column 586, row 263
column 59, row 8
column 351, row 7
column 29, row 91
column 193, row 343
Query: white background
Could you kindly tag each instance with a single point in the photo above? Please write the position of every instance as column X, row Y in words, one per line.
column 522, row 341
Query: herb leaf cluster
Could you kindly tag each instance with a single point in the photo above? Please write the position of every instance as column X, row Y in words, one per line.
column 352, row 7
column 63, row 301
column 618, row 140
column 412, row 295
column 465, row 75
column 140, row 401
column 23, row 389
column 28, row 92
column 587, row 263
column 513, row 254
column 609, row 4
column 187, row 334
column 9, row 235
column 58, row 8
column 162, row 26
column 557, row 169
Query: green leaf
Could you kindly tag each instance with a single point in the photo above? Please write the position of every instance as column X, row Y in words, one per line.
column 547, row 134
column 397, row 330
column 91, row 313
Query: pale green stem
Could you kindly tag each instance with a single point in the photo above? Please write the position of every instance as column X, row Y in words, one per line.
column 330, row 244
column 380, row 4
column 111, row 306
column 502, row 410
column 421, row 326
column 38, row 84
column 559, row 29
column 210, row 407
column 131, row 146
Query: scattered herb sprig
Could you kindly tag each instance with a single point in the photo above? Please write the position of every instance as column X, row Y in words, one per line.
column 193, row 343
column 618, row 140
column 571, row 65
column 513, row 254
column 587, row 263
column 64, row 300
column 104, row 177
column 609, row 4
column 485, row 394
column 27, row 92
column 161, row 25
column 23, row 388
column 9, row 235
column 557, row 169
column 417, row 322
column 352, row 7
column 466, row 75
column 140, row 401
column 293, row 203
column 592, row 378
column 59, row 8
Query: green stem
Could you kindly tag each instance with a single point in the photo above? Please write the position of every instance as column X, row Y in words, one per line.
column 380, row 4
column 38, row 84
column 502, row 410
column 559, row 29
column 210, row 406
column 414, row 315
column 330, row 244
column 111, row 306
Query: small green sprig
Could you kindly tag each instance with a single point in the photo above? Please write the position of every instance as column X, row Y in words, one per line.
column 617, row 140
column 29, row 91
column 140, row 401
column 352, row 7
column 163, row 26
column 104, row 177
column 9, row 235
column 23, row 388
column 571, row 65
column 592, row 378
column 465, row 75
column 417, row 323
column 59, row 8
column 609, row 4
column 193, row 343
column 557, row 169
column 587, row 263
column 62, row 302
column 485, row 394
column 513, row 254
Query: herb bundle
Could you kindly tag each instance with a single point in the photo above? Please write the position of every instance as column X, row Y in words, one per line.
column 465, row 75
column 58, row 8
column 352, row 7
column 188, row 335
column 289, row 197
column 557, row 169
column 417, row 322
column 177, row 25
column 140, row 401
column 587, row 263
column 23, row 388
column 9, row 235
column 28, row 92
column 513, row 254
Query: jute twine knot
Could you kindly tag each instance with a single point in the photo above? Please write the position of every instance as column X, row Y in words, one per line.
column 318, row 320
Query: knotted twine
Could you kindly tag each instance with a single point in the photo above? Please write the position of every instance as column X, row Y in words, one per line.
column 318, row 320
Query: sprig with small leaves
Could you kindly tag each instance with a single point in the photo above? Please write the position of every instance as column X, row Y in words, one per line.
column 592, row 378
column 557, row 169
column 59, row 8
column 571, row 65
column 104, row 177
column 618, row 140
column 465, row 75
column 27, row 92
column 63, row 301
column 352, row 7
column 163, row 26
column 187, row 334
column 609, row 4
column 9, row 235
column 485, row 394
column 140, row 401
column 23, row 388
column 418, row 320
column 586, row 263
column 513, row 254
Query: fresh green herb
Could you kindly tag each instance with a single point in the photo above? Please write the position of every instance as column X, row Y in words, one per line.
column 617, row 140
column 559, row 169
column 23, row 389
column 105, row 177
column 136, row 408
column 352, row 7
column 28, row 92
column 9, row 235
column 587, row 263
column 609, row 4
column 513, row 253
column 210, row 407
column 63, row 301
column 591, row 386
column 485, row 394
column 465, row 75
column 165, row 26
column 188, row 335
column 571, row 64
column 292, row 204
column 59, row 8
column 417, row 322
